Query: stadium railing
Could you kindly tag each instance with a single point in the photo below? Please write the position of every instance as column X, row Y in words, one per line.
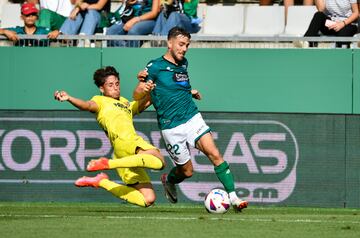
column 198, row 41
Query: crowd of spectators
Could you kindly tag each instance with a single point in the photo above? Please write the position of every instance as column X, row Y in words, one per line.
column 156, row 17
column 87, row 17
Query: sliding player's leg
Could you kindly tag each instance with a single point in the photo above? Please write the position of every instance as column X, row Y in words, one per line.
column 141, row 194
column 140, row 155
column 137, row 189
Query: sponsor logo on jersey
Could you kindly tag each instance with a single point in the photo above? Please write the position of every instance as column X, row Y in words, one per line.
column 181, row 79
column 123, row 107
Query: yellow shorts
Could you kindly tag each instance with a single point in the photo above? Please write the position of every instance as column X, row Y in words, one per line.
column 128, row 148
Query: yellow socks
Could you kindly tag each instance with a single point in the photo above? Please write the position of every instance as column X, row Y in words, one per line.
column 129, row 194
column 139, row 160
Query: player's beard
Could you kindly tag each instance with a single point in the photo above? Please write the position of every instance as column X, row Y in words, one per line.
column 178, row 57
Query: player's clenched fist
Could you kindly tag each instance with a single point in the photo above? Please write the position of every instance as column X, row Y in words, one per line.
column 149, row 86
column 141, row 76
column 61, row 96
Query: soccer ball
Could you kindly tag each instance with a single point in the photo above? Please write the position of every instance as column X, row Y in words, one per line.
column 217, row 201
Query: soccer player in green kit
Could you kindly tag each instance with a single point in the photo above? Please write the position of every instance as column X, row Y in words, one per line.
column 179, row 120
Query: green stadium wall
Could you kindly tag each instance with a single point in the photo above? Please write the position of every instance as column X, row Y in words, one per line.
column 231, row 80
column 285, row 119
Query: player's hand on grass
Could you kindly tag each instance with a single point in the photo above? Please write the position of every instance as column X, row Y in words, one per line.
column 141, row 76
column 196, row 94
column 61, row 96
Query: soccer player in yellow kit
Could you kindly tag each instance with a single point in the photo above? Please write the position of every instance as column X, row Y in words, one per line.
column 132, row 154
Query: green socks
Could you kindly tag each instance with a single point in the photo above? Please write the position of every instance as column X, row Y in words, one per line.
column 222, row 172
column 225, row 176
column 173, row 178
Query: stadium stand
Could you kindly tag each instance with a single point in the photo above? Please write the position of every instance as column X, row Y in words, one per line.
column 230, row 23
column 264, row 20
column 298, row 20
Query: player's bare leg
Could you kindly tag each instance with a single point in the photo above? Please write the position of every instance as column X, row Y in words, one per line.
column 147, row 190
column 207, row 145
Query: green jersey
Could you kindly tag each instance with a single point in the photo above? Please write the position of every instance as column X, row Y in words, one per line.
column 20, row 30
column 171, row 97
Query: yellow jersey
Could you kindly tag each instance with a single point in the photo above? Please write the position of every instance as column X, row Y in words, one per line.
column 116, row 117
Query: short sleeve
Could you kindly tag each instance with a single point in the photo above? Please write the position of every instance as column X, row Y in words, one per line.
column 134, row 106
column 98, row 101
column 152, row 71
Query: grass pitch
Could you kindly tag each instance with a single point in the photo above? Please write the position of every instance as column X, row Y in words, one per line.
column 68, row 220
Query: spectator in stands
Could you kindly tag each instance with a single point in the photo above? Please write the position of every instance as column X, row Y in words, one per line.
column 140, row 24
column 53, row 13
column 181, row 14
column 334, row 18
column 85, row 17
column 29, row 14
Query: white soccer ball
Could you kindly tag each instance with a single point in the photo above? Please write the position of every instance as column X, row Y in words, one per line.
column 217, row 201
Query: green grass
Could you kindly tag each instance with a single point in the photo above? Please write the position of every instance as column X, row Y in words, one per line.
column 107, row 220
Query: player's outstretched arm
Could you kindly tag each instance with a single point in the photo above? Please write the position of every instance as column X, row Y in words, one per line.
column 62, row 96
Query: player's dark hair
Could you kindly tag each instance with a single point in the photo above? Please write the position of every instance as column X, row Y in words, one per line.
column 101, row 75
column 176, row 31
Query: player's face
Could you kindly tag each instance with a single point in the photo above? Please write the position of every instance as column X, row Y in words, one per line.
column 178, row 47
column 111, row 87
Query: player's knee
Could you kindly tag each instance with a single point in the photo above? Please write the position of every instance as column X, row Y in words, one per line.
column 161, row 158
column 150, row 199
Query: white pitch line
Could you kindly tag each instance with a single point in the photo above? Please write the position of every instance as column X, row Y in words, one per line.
column 187, row 218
